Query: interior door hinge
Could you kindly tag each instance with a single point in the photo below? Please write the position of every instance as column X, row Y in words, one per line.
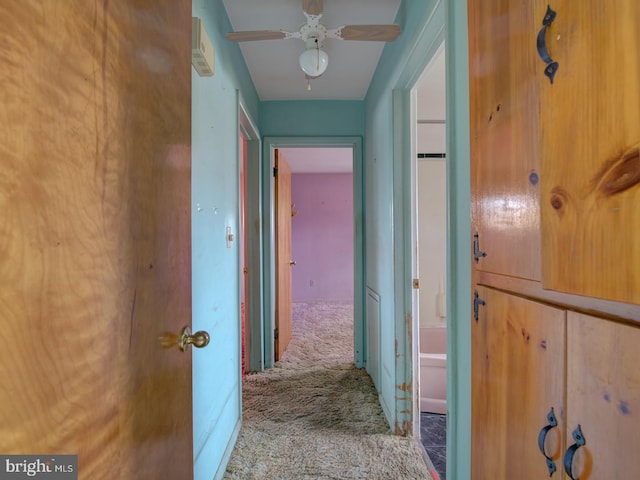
column 416, row 283
column 276, row 334
column 275, row 171
column 477, row 301
column 477, row 253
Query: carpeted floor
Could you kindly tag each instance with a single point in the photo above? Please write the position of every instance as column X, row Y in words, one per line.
column 315, row 416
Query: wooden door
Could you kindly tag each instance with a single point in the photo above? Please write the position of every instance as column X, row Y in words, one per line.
column 504, row 136
column 603, row 396
column 591, row 150
column 518, row 376
column 95, row 234
column 283, row 323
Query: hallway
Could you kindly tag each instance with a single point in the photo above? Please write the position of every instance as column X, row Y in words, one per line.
column 314, row 415
column 123, row 232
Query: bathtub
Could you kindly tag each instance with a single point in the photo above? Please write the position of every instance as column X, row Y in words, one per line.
column 433, row 369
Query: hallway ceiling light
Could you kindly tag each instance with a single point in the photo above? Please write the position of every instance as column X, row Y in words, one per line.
column 314, row 60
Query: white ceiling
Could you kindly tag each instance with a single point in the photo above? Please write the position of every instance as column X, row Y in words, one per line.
column 431, row 104
column 273, row 64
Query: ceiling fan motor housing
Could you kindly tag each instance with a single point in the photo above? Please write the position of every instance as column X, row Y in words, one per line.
column 313, row 34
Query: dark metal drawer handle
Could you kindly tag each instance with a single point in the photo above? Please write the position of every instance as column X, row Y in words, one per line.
column 553, row 422
column 571, row 451
column 552, row 67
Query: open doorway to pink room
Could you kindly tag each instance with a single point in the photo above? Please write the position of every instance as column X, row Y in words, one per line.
column 322, row 227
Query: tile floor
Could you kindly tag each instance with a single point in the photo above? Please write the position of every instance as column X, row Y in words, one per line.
column 433, row 434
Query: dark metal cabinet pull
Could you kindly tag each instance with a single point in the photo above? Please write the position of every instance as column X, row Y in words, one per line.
column 542, row 436
column 541, row 42
column 578, row 437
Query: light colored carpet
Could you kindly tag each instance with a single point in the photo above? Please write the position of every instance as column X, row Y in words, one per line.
column 315, row 416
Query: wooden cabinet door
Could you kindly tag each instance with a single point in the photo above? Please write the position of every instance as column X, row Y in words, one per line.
column 590, row 190
column 518, row 375
column 503, row 67
column 603, row 397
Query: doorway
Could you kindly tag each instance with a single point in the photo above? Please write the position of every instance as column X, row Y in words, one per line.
column 250, row 259
column 431, row 218
column 304, row 285
column 319, row 213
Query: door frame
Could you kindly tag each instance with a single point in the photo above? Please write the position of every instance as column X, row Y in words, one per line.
column 415, row 253
column 254, row 260
column 270, row 144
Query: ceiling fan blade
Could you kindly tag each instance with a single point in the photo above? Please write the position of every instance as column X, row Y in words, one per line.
column 312, row 7
column 250, row 36
column 373, row 33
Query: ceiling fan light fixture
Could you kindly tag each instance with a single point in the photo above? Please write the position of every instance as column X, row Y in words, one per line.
column 314, row 61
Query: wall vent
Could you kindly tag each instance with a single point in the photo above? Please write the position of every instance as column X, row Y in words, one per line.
column 202, row 54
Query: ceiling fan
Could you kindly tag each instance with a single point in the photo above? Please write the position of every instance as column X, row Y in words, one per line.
column 313, row 61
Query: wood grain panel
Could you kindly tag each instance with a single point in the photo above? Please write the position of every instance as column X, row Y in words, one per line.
column 312, row 7
column 95, row 234
column 627, row 312
column 505, row 160
column 591, row 151
column 518, row 375
column 284, row 285
column 603, row 396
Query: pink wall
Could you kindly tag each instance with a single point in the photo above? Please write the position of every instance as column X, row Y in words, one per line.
column 322, row 236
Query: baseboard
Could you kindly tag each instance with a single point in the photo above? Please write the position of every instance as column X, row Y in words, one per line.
column 227, row 452
column 433, row 405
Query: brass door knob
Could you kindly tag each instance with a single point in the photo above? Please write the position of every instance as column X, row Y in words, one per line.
column 199, row 339
column 292, row 262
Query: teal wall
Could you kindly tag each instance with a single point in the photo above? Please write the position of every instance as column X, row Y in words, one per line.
column 459, row 281
column 215, row 205
column 384, row 205
column 310, row 118
column 387, row 205
column 315, row 123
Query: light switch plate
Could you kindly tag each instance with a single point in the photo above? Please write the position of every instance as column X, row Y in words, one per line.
column 229, row 237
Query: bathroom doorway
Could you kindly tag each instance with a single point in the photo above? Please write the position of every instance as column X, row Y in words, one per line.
column 431, row 218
